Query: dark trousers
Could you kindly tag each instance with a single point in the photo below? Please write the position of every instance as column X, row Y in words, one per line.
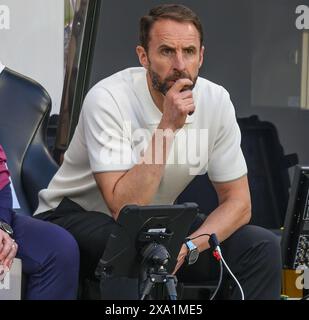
column 252, row 253
column 49, row 254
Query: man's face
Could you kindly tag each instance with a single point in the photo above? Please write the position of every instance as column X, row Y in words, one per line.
column 174, row 52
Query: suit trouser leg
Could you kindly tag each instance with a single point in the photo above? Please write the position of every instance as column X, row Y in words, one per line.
column 49, row 254
column 50, row 259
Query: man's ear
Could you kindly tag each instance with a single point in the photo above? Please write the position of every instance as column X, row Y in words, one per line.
column 202, row 56
column 142, row 56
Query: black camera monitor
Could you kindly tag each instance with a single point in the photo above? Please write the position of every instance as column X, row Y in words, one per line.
column 295, row 238
column 137, row 228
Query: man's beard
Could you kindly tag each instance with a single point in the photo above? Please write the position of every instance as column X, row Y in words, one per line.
column 163, row 86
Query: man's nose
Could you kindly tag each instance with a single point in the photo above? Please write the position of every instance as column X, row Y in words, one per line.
column 179, row 62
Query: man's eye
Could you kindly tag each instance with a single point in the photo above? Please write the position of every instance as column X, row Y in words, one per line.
column 190, row 51
column 167, row 51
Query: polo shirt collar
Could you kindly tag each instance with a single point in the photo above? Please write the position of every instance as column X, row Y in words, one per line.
column 151, row 112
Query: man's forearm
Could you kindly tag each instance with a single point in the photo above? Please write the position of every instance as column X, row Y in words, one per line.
column 223, row 221
column 140, row 184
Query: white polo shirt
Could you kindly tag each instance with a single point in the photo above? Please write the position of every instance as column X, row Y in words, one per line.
column 117, row 121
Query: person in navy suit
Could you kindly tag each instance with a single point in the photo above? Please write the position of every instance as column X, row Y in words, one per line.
column 49, row 254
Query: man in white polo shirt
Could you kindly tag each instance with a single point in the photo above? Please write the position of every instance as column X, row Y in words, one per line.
column 136, row 142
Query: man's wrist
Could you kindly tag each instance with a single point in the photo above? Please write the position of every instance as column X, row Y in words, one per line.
column 163, row 125
column 192, row 251
column 6, row 228
column 6, row 215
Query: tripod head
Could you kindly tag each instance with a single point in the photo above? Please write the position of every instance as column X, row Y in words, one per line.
column 155, row 259
column 155, row 255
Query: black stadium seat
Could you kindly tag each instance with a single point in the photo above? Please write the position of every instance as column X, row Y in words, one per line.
column 25, row 107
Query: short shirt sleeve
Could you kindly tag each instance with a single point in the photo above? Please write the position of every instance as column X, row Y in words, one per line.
column 226, row 160
column 106, row 135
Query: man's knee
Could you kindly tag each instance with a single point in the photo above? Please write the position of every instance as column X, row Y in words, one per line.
column 271, row 248
column 254, row 243
column 257, row 235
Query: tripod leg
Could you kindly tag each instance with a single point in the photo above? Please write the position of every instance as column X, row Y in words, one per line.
column 171, row 287
column 147, row 288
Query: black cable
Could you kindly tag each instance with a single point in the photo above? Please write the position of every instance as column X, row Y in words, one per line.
column 204, row 234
